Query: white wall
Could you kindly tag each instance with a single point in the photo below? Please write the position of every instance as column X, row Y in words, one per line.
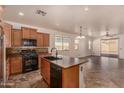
column 96, row 47
column 121, row 47
column 83, row 47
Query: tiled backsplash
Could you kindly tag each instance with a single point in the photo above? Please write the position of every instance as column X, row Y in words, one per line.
column 17, row 50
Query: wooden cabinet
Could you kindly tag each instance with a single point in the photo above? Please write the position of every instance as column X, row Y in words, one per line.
column 33, row 34
column 16, row 37
column 46, row 41
column 25, row 33
column 56, row 76
column 43, row 40
column 40, row 39
column 7, row 31
column 70, row 77
column 45, row 70
column 15, row 65
column 29, row 33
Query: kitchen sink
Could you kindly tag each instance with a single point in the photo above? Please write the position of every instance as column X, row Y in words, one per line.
column 52, row 58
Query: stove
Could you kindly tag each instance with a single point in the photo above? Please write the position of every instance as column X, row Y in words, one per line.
column 29, row 60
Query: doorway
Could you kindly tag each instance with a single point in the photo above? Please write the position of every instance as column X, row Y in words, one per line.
column 110, row 47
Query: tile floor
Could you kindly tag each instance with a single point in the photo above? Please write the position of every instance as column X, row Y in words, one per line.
column 99, row 72
column 104, row 72
column 28, row 80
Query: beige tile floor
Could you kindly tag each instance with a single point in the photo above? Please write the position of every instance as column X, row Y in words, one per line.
column 99, row 72
column 28, row 80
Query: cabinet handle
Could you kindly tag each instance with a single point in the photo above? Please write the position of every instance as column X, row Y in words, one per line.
column 81, row 68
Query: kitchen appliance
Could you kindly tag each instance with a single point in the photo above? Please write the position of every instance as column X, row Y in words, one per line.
column 1, row 53
column 3, row 76
column 82, row 75
column 29, row 60
column 29, row 42
column 55, row 76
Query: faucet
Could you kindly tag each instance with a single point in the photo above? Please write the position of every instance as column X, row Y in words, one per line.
column 56, row 51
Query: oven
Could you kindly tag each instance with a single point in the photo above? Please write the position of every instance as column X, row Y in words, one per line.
column 29, row 60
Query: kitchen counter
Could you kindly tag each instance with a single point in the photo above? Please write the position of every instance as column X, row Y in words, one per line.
column 62, row 73
column 67, row 61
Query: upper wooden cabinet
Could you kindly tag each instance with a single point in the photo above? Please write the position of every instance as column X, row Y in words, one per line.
column 40, row 39
column 33, row 34
column 43, row 40
column 46, row 40
column 16, row 37
column 25, row 33
column 29, row 33
column 7, row 31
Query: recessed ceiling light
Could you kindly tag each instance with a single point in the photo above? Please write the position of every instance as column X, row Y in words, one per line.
column 21, row 14
column 86, row 9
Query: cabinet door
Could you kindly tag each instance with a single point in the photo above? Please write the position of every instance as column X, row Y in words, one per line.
column 46, row 40
column 70, row 77
column 16, row 37
column 7, row 31
column 33, row 34
column 45, row 70
column 25, row 33
column 15, row 65
column 39, row 39
column 42, row 67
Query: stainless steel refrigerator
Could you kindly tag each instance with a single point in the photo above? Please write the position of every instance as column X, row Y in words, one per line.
column 1, row 53
column 2, row 57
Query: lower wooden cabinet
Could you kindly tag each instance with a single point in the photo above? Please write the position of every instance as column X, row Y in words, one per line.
column 57, row 77
column 45, row 70
column 15, row 64
column 70, row 77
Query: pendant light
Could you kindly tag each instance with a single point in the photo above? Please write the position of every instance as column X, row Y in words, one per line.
column 80, row 35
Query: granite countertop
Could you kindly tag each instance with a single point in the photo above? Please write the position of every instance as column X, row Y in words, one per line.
column 67, row 61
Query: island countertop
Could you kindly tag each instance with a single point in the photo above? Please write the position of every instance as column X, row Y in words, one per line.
column 67, row 61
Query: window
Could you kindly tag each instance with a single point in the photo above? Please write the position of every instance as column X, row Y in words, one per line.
column 89, row 45
column 76, row 44
column 65, row 43
column 58, row 42
column 62, row 43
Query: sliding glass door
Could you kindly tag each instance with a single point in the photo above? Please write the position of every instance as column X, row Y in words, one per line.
column 109, row 47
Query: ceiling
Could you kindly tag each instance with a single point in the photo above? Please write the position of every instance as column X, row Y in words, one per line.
column 69, row 18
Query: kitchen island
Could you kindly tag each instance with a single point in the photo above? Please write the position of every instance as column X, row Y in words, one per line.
column 62, row 72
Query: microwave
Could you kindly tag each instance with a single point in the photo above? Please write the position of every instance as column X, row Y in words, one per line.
column 29, row 42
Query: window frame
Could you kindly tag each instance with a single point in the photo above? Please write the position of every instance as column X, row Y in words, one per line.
column 76, row 44
column 62, row 37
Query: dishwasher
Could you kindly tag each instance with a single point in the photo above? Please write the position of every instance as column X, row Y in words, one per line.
column 55, row 76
